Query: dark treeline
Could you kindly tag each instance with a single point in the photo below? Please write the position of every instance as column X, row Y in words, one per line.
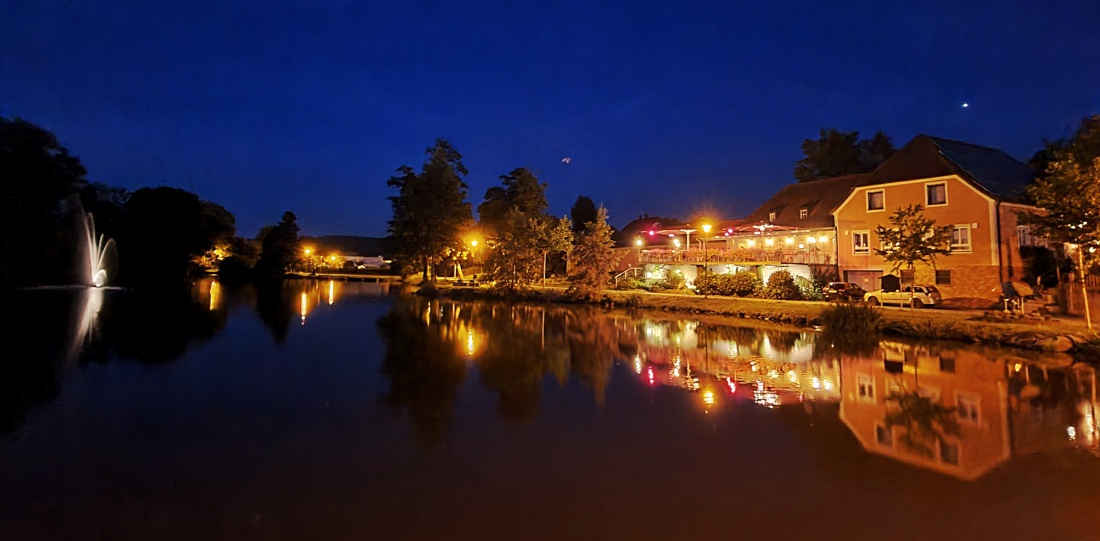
column 162, row 234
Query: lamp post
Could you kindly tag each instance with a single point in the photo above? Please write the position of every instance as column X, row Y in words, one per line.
column 706, row 260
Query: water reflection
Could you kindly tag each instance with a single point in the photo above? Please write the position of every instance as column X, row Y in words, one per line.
column 959, row 410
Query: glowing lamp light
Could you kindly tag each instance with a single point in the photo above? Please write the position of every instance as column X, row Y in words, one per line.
column 769, row 242
column 790, row 240
column 751, row 243
column 473, row 243
column 823, row 238
column 652, row 232
column 706, row 228
column 708, row 398
column 811, row 240
column 676, row 242
column 638, row 242
column 308, row 251
column 670, row 235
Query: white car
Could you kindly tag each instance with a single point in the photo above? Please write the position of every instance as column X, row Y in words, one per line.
column 921, row 296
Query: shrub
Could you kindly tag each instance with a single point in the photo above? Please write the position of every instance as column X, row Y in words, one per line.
column 851, row 318
column 810, row 289
column 672, row 280
column 633, row 301
column 745, row 283
column 781, row 286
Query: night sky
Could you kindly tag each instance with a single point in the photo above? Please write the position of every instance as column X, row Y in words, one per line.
column 664, row 108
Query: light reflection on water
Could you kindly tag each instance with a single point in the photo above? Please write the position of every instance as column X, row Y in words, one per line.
column 316, row 385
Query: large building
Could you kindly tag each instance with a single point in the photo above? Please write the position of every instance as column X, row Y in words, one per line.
column 977, row 190
column 829, row 224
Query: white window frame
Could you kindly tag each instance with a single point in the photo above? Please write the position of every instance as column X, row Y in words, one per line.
column 865, row 387
column 927, row 201
column 936, row 278
column 961, row 248
column 971, row 412
column 771, row 216
column 803, row 213
column 867, row 203
column 866, row 248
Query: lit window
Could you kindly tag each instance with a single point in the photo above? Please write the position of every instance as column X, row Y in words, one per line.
column 876, row 200
column 861, row 242
column 967, row 408
column 865, row 387
column 943, row 277
column 771, row 216
column 936, row 194
column 960, row 238
column 802, row 213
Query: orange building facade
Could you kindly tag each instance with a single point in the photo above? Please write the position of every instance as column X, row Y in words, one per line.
column 984, row 213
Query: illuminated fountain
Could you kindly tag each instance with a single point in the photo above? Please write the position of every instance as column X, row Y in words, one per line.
column 97, row 249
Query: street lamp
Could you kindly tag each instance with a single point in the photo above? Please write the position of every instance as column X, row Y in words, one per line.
column 706, row 260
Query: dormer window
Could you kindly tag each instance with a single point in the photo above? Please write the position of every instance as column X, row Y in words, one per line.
column 771, row 216
column 802, row 213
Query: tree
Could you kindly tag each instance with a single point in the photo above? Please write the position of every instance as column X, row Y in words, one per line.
column 430, row 210
column 835, row 153
column 1069, row 190
column 552, row 235
column 583, row 212
column 279, row 251
column 594, row 257
column 164, row 230
column 38, row 182
column 912, row 239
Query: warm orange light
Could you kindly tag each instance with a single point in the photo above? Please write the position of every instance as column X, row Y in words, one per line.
column 706, row 228
column 308, row 251
column 638, row 242
column 473, row 243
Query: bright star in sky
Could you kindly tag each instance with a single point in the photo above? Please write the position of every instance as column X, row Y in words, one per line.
column 965, row 105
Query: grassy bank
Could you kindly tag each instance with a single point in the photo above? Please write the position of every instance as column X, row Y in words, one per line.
column 964, row 325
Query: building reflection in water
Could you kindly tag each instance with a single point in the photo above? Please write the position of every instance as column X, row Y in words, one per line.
column 960, row 410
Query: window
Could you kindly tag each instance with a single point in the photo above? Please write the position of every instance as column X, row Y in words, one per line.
column 947, row 364
column 908, row 277
column 876, row 200
column 943, row 277
column 861, row 242
column 949, row 452
column 1025, row 238
column 935, row 194
column 771, row 216
column 960, row 238
column 802, row 214
column 884, row 435
column 865, row 387
column 967, row 408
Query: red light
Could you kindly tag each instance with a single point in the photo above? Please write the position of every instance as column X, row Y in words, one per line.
column 651, row 232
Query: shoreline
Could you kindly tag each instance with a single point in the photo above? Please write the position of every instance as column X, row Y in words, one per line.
column 1054, row 335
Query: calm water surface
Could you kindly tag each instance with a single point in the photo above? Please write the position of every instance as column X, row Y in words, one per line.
column 328, row 410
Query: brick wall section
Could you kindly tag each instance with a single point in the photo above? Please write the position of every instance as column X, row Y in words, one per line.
column 966, row 281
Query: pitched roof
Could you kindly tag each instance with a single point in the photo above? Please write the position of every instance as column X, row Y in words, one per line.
column 819, row 197
column 989, row 169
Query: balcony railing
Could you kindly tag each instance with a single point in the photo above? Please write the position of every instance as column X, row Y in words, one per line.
column 812, row 256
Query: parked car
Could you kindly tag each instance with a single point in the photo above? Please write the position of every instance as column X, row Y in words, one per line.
column 921, row 296
column 843, row 291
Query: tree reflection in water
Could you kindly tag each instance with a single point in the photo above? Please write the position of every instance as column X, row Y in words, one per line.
column 59, row 328
column 514, row 349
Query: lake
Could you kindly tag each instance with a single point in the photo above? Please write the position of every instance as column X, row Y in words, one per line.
column 333, row 410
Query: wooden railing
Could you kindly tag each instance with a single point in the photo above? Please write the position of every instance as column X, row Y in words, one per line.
column 738, row 255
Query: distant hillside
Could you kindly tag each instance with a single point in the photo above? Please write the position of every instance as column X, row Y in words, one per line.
column 352, row 245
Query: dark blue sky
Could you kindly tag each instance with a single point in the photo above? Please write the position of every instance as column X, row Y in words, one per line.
column 665, row 108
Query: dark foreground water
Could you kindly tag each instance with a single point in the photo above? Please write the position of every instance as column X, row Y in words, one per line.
column 341, row 411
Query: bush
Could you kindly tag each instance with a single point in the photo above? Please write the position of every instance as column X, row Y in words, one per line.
column 810, row 289
column 781, row 286
column 672, row 280
column 741, row 284
column 851, row 319
column 630, row 283
column 745, row 283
